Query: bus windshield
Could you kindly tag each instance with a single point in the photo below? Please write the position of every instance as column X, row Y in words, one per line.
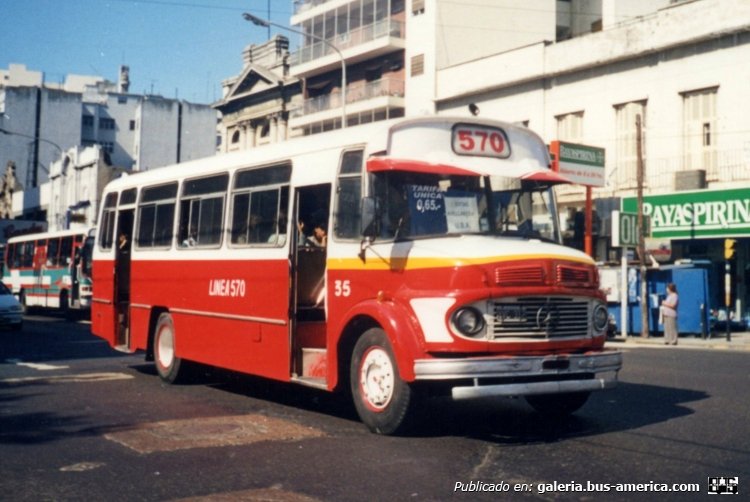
column 413, row 205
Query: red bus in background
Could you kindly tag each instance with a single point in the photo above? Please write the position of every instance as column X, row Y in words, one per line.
column 389, row 260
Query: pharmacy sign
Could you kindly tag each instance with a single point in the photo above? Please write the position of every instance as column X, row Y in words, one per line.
column 696, row 214
column 581, row 164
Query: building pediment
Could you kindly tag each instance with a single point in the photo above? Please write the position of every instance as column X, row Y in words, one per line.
column 253, row 80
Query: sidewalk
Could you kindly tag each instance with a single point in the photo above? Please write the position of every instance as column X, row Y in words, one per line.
column 739, row 341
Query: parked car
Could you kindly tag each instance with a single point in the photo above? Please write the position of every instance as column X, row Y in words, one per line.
column 11, row 310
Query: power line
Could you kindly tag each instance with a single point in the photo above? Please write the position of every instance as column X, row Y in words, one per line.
column 199, row 5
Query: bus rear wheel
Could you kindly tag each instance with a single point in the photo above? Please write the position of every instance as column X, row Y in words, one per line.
column 383, row 400
column 168, row 365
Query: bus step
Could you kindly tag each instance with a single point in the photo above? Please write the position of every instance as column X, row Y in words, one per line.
column 318, row 383
column 124, row 348
column 314, row 363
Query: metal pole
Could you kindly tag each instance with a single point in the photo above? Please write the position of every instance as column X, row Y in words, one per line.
column 728, row 295
column 624, row 292
column 641, row 236
column 265, row 23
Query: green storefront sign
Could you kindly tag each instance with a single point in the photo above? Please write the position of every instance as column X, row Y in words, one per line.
column 696, row 214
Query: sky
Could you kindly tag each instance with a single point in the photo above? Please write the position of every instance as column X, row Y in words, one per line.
column 175, row 48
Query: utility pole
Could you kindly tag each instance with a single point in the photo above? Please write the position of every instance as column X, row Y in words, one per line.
column 641, row 227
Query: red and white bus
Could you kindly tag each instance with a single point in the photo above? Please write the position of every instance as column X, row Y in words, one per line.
column 51, row 269
column 442, row 270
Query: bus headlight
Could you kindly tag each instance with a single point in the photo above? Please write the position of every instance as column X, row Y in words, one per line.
column 468, row 321
column 600, row 317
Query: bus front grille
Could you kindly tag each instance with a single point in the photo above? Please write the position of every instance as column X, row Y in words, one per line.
column 540, row 318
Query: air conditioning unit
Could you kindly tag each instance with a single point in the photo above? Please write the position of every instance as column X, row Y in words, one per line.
column 690, row 180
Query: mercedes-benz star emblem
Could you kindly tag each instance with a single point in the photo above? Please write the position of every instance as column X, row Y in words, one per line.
column 546, row 317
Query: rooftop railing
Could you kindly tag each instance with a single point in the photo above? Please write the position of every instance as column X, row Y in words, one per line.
column 384, row 28
column 355, row 92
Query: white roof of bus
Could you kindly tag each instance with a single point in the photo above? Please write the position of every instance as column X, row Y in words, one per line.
column 49, row 235
column 374, row 137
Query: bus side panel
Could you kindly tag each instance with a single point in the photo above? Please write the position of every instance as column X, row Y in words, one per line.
column 103, row 308
column 227, row 313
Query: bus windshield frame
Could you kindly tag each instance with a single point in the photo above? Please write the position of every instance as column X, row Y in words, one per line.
column 410, row 205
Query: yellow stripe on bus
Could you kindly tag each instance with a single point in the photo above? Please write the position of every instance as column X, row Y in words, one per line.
column 374, row 262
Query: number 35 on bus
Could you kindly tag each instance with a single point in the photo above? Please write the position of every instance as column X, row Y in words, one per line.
column 440, row 269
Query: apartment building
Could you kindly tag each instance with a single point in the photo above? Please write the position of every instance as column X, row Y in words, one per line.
column 43, row 123
column 368, row 39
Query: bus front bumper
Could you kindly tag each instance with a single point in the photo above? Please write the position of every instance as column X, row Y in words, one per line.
column 523, row 375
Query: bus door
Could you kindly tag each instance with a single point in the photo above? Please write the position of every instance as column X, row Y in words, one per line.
column 308, row 292
column 74, row 270
column 123, row 245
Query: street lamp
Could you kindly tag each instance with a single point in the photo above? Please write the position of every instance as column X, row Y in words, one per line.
column 267, row 24
column 35, row 138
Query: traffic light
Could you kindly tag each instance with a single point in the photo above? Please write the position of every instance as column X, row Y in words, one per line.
column 730, row 248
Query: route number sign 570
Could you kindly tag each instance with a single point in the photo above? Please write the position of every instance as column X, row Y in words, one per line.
column 480, row 141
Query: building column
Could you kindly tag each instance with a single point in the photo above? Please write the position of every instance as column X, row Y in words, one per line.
column 273, row 132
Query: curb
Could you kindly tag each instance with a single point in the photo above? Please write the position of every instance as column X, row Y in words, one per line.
column 739, row 342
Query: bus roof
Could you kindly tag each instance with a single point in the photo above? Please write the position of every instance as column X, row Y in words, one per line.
column 49, row 235
column 424, row 139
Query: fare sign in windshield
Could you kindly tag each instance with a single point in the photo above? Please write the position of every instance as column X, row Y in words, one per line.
column 480, row 141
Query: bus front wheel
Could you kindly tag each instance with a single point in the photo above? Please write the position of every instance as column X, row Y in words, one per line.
column 383, row 400
column 168, row 365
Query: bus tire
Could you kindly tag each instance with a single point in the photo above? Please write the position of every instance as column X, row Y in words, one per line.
column 64, row 307
column 558, row 405
column 168, row 365
column 22, row 301
column 382, row 399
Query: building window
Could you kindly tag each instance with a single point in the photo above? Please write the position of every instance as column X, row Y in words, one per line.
column 107, row 146
column 87, row 121
column 132, row 125
column 417, row 65
column 417, row 7
column 570, row 127
column 699, row 129
column 626, row 144
column 107, row 123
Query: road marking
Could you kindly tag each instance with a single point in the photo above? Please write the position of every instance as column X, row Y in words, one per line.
column 83, row 377
column 273, row 494
column 82, row 467
column 171, row 435
column 36, row 366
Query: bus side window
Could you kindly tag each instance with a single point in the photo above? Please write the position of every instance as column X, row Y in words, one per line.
column 107, row 231
column 156, row 216
column 53, row 247
column 347, row 217
column 259, row 203
column 66, row 251
column 202, row 211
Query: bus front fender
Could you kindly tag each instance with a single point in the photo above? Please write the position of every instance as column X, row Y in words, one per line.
column 400, row 326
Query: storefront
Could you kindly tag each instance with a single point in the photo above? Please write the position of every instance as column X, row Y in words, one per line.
column 696, row 225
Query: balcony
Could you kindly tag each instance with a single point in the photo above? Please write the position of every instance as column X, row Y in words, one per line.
column 365, row 42
column 305, row 5
column 361, row 95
